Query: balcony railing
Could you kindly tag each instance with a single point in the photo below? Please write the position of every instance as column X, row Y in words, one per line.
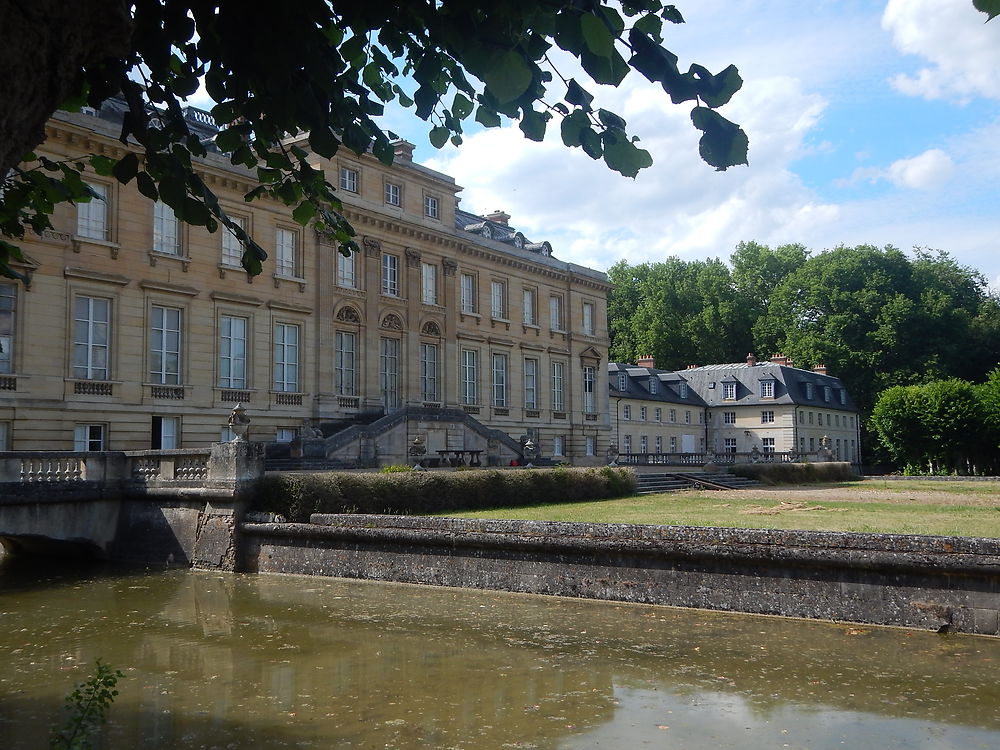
column 700, row 459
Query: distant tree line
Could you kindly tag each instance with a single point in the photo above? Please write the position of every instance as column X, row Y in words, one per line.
column 876, row 317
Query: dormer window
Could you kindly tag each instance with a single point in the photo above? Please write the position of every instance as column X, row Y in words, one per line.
column 729, row 391
column 767, row 389
column 487, row 232
column 682, row 390
column 827, row 392
column 843, row 396
column 809, row 391
column 622, row 381
column 652, row 384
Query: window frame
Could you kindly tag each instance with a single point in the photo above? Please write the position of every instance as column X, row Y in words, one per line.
column 498, row 299
column 350, row 179
column 390, row 275
column 589, row 389
column 232, row 381
column 531, row 383
column 558, row 371
column 390, row 354
column 289, row 267
column 92, row 371
column 432, row 207
column 529, row 305
column 468, row 302
column 87, row 438
column 8, row 326
column 347, row 270
column 85, row 214
column 556, row 322
column 345, row 363
column 469, row 376
column 282, row 363
column 429, row 371
column 499, row 379
column 392, row 189
column 232, row 257
column 767, row 416
column 587, row 322
column 428, row 283
column 159, row 350
column 167, row 238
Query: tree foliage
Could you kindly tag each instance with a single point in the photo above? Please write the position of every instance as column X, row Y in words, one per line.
column 944, row 426
column 327, row 68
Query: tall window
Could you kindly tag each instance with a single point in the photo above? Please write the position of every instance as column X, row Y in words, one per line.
column 91, row 337
column 286, row 357
column 429, row 372
column 286, row 243
column 349, row 179
column 809, row 391
column 531, row 384
column 767, row 444
column 232, row 249
column 345, row 365
column 530, row 305
column 388, row 365
column 347, row 270
column 673, row 416
column 499, row 379
column 469, row 376
column 682, row 390
column 627, row 411
column 590, row 445
column 730, row 445
column 8, row 306
column 428, row 283
column 588, row 318
column 827, row 391
column 393, row 194
column 165, row 345
column 643, row 444
column 729, row 391
column 390, row 274
column 232, row 352
column 468, row 293
column 687, row 417
column 498, row 300
column 558, row 378
column 559, row 445
column 622, row 381
column 659, row 444
column 767, row 389
column 431, row 207
column 729, row 417
column 92, row 217
column 654, row 385
column 673, row 444
column 766, row 417
column 166, row 229
column 589, row 385
column 555, row 313
column 642, row 413
column 626, row 444
column 659, row 414
column 89, row 437
column 164, row 433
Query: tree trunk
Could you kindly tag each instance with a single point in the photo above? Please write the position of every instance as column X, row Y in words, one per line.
column 44, row 47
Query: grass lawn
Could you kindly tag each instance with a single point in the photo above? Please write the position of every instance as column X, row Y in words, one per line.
column 895, row 507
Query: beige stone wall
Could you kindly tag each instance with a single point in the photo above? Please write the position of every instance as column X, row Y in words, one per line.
column 41, row 401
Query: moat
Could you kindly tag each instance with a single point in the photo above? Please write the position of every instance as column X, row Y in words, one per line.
column 224, row 661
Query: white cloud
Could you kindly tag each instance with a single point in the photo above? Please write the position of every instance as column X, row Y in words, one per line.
column 926, row 171
column 962, row 50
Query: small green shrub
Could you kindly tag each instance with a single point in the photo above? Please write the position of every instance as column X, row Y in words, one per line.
column 297, row 496
column 87, row 707
column 395, row 468
column 806, row 473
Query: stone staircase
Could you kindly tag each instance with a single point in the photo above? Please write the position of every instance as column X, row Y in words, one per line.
column 652, row 484
column 307, row 464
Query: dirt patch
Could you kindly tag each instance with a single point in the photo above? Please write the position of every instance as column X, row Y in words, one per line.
column 786, row 507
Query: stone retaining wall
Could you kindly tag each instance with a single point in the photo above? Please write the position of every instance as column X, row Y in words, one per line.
column 940, row 583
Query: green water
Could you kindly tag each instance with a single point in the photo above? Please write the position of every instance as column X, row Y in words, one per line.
column 222, row 661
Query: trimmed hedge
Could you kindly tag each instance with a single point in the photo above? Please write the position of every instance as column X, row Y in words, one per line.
column 806, row 473
column 297, row 496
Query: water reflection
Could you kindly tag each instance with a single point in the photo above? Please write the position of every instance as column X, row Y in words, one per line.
column 273, row 661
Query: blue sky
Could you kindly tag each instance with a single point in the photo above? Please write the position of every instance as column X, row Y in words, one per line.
column 869, row 122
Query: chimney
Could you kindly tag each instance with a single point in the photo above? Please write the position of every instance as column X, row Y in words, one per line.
column 821, row 369
column 499, row 216
column 781, row 359
column 692, row 367
column 751, row 360
column 647, row 361
column 403, row 150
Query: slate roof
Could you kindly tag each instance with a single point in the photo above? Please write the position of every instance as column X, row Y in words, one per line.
column 637, row 385
column 792, row 385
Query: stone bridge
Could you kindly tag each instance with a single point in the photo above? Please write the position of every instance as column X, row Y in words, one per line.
column 179, row 507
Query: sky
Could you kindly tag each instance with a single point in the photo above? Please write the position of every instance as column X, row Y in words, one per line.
column 869, row 123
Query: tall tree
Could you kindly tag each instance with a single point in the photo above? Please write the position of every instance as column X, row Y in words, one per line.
column 326, row 68
column 757, row 271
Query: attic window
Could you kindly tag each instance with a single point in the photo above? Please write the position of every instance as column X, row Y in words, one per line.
column 843, row 396
column 809, row 391
column 682, row 390
column 622, row 381
column 652, row 384
column 729, row 391
column 767, row 389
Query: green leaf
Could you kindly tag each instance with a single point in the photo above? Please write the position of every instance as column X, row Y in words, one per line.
column 607, row 70
column 461, row 106
column 623, row 156
column 577, row 95
column 716, row 90
column 723, row 143
column 990, row 7
column 533, row 124
column 610, row 119
column 486, row 118
column 507, row 77
column 304, row 212
column 439, row 136
column 591, row 143
column 147, row 186
column 597, row 35
column 572, row 127
column 103, row 165
column 126, row 168
column 670, row 13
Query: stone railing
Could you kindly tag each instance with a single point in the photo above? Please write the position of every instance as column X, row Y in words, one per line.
column 722, row 459
column 223, row 463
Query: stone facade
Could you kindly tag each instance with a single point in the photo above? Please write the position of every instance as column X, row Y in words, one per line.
column 139, row 332
column 745, row 408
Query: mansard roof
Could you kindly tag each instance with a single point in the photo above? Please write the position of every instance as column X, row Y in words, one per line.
column 792, row 385
column 637, row 385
